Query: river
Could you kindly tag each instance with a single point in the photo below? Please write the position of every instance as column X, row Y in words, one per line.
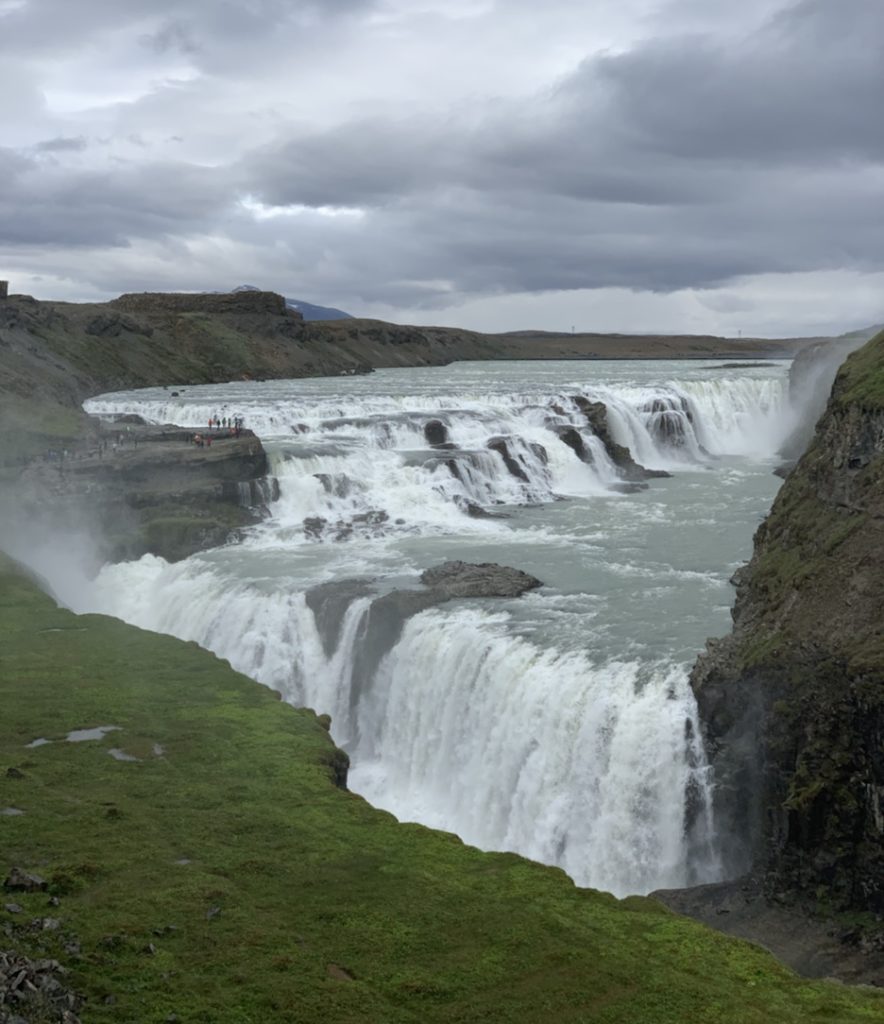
column 559, row 725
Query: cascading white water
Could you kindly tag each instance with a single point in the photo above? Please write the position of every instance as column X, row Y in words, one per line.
column 560, row 726
column 463, row 724
column 579, row 762
column 340, row 461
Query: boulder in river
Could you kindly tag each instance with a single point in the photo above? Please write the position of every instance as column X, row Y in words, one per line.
column 475, row 511
column 436, row 433
column 571, row 437
column 485, row 579
column 628, row 487
column 501, row 446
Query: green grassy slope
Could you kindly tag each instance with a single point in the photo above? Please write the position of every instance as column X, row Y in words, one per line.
column 862, row 376
column 223, row 877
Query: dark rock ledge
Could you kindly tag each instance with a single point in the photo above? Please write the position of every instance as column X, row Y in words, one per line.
column 139, row 489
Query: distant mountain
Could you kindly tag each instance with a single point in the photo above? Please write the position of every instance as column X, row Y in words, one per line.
column 308, row 310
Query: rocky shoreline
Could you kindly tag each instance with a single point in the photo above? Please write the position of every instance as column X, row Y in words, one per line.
column 812, row 941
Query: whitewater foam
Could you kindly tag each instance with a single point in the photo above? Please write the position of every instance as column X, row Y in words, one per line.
column 561, row 726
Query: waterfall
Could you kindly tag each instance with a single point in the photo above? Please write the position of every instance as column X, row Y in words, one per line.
column 541, row 726
column 462, row 724
column 543, row 753
column 369, row 466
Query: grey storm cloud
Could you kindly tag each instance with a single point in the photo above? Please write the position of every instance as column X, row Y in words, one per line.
column 63, row 144
column 678, row 161
column 172, row 35
column 59, row 24
column 805, row 87
column 51, row 206
column 683, row 162
column 669, row 122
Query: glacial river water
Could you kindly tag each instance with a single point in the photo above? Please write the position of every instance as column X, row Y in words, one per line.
column 559, row 725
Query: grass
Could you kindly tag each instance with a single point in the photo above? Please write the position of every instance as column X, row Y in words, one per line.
column 271, row 895
column 861, row 378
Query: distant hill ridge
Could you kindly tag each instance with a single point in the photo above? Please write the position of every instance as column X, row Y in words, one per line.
column 863, row 334
column 308, row 310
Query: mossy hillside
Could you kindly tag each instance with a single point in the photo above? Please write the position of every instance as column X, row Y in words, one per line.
column 225, row 878
column 815, row 552
column 861, row 379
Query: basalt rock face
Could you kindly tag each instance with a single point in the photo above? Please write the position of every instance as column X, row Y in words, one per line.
column 141, row 489
column 502, row 446
column 793, row 700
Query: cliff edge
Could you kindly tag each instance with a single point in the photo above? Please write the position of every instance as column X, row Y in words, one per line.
column 793, row 700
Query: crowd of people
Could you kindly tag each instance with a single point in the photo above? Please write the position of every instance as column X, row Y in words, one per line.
column 224, row 426
column 231, row 422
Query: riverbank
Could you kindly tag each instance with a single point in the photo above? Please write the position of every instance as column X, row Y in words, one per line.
column 201, row 860
column 65, row 352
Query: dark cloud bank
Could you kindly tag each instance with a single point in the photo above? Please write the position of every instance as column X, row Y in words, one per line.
column 683, row 161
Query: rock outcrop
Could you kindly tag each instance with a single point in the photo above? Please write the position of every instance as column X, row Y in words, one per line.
column 389, row 611
column 793, row 700
column 484, row 579
column 436, row 433
column 596, row 414
column 139, row 489
column 502, row 446
column 35, row 990
column 223, row 303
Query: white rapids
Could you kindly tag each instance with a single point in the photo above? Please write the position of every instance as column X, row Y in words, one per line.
column 560, row 725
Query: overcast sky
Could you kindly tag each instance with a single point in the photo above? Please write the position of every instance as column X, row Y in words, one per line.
column 628, row 165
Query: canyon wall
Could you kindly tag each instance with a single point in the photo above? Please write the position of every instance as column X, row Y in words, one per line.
column 793, row 700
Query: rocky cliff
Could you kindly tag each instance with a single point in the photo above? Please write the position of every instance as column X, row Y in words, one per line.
column 250, row 300
column 793, row 700
column 127, row 489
